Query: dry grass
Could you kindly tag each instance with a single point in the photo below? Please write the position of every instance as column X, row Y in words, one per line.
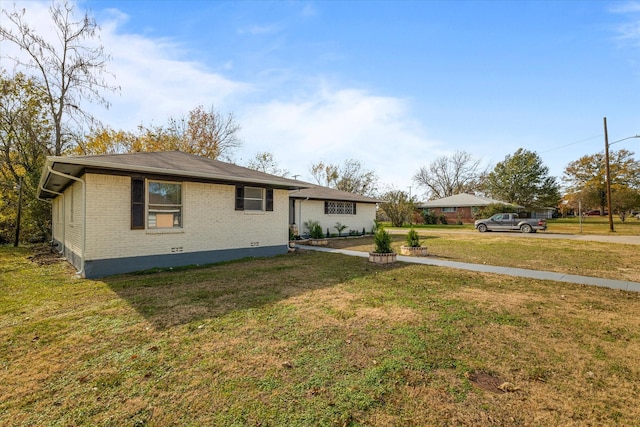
column 312, row 339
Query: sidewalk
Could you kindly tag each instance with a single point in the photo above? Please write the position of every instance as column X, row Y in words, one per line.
column 624, row 285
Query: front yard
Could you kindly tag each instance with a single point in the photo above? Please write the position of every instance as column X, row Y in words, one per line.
column 312, row 339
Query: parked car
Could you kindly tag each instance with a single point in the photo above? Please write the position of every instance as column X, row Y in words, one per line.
column 510, row 221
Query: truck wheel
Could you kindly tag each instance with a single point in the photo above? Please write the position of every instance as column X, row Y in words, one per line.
column 526, row 228
column 482, row 228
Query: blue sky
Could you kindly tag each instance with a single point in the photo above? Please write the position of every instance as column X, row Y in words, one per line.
column 394, row 84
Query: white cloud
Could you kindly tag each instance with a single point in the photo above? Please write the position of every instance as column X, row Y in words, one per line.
column 625, row 7
column 156, row 81
column 334, row 125
column 628, row 32
column 260, row 29
column 159, row 80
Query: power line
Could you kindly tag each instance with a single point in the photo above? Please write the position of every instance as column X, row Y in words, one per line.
column 572, row 143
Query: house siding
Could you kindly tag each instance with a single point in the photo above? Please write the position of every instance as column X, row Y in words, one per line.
column 67, row 223
column 212, row 229
column 314, row 210
column 464, row 214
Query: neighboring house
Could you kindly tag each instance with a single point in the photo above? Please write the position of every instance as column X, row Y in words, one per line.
column 329, row 206
column 460, row 207
column 547, row 213
column 128, row 212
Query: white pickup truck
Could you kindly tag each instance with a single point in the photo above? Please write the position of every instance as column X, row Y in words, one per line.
column 510, row 221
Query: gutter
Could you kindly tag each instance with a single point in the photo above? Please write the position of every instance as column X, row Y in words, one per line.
column 80, row 272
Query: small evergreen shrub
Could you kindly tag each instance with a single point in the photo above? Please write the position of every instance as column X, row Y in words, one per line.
column 413, row 240
column 382, row 240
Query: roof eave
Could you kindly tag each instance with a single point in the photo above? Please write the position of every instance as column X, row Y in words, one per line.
column 79, row 161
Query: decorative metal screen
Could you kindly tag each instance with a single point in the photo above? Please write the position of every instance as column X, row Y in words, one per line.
column 339, row 208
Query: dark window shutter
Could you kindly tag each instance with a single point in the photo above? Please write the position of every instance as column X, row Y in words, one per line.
column 269, row 199
column 354, row 207
column 239, row 198
column 326, row 207
column 137, row 203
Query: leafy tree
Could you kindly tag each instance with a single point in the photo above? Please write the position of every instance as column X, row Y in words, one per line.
column 105, row 140
column 266, row 162
column 350, row 177
column 449, row 175
column 25, row 133
column 624, row 199
column 204, row 133
column 398, row 206
column 523, row 179
column 70, row 68
column 586, row 179
column 494, row 208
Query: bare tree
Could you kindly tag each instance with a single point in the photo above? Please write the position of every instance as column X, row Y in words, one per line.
column 208, row 133
column 266, row 162
column 350, row 176
column 449, row 175
column 69, row 68
column 324, row 174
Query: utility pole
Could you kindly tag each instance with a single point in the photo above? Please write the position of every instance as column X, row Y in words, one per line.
column 608, row 173
column 15, row 242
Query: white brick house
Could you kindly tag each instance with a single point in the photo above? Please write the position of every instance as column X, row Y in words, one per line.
column 120, row 213
column 329, row 206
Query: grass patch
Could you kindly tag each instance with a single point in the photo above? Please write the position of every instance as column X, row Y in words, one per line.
column 311, row 339
column 584, row 258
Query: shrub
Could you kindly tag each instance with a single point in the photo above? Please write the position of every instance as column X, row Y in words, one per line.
column 413, row 240
column 382, row 240
column 443, row 219
column 316, row 232
column 309, row 225
column 429, row 218
column 340, row 227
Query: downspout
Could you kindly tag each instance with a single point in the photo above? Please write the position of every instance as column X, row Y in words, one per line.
column 84, row 214
column 300, row 213
column 63, row 212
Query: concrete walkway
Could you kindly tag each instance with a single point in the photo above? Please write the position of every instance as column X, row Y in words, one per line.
column 624, row 285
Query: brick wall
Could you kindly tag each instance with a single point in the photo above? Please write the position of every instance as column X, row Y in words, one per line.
column 210, row 221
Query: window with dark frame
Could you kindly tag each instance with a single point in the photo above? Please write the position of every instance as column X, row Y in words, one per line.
column 155, row 204
column 253, row 198
column 164, row 204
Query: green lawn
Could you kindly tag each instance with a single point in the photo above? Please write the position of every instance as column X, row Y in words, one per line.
column 588, row 225
column 585, row 258
column 312, row 339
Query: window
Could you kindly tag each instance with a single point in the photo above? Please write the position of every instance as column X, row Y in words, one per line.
column 339, row 208
column 165, row 205
column 449, row 209
column 254, row 198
